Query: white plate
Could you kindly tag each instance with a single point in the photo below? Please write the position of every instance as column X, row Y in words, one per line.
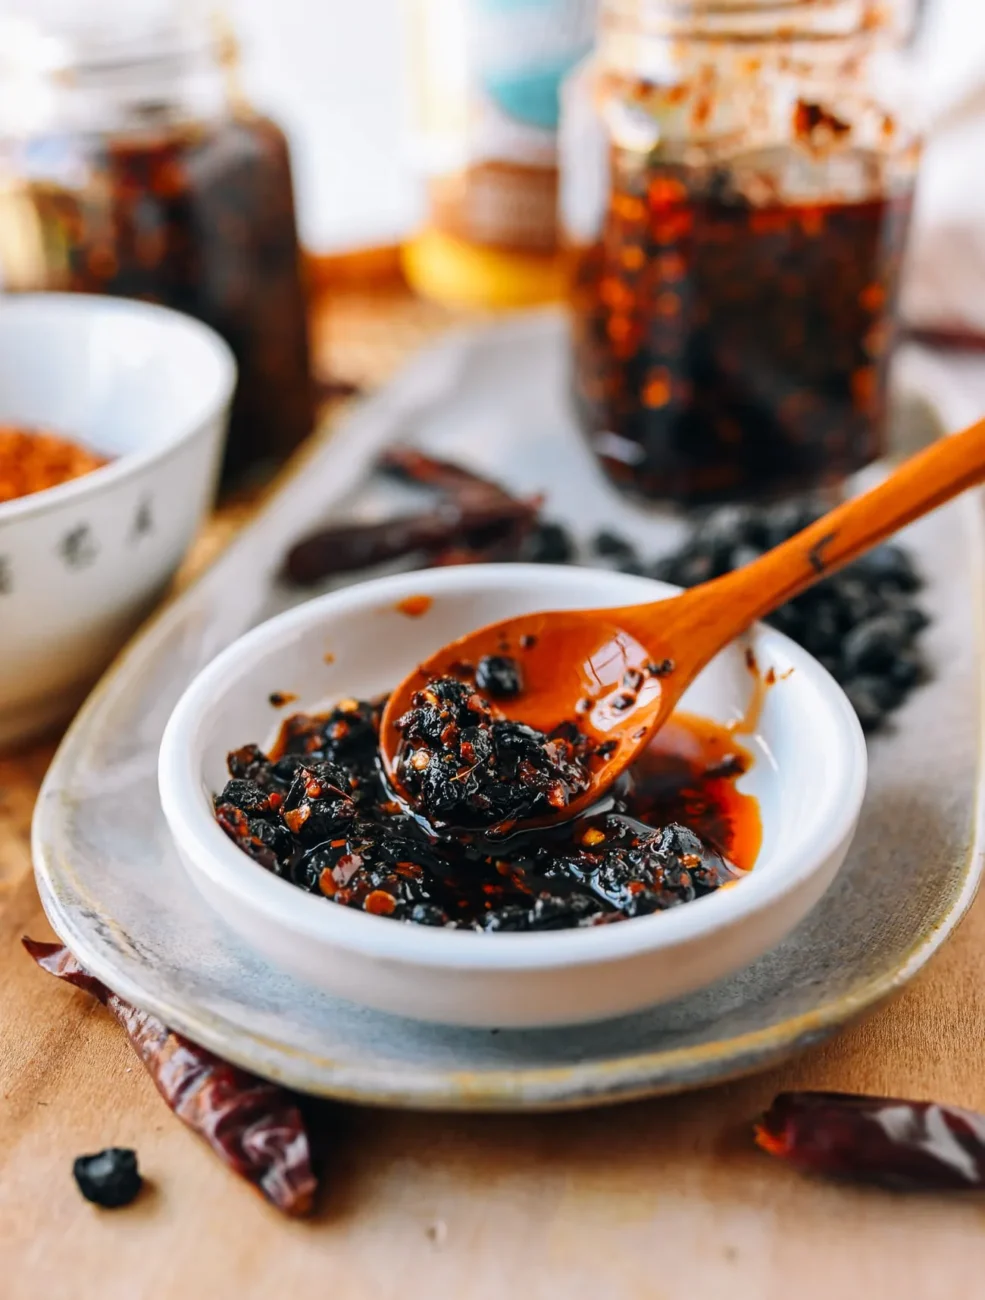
column 115, row 890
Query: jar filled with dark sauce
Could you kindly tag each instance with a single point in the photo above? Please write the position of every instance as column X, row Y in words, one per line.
column 130, row 165
column 736, row 190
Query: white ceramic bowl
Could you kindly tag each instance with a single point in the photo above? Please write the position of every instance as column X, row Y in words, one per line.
column 809, row 776
column 82, row 563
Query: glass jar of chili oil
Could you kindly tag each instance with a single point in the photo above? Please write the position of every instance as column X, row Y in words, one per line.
column 736, row 183
column 129, row 165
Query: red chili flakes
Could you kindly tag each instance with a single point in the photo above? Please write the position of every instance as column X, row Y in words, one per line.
column 296, row 818
column 380, row 903
column 619, row 329
column 630, row 209
column 665, row 190
column 812, row 224
column 658, row 387
column 616, row 295
column 32, row 460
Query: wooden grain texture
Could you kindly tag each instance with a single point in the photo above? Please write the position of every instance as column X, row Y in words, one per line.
column 659, row 1200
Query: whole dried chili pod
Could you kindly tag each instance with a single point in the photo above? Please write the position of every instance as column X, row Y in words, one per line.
column 253, row 1126
column 412, row 466
column 349, row 547
column 477, row 520
column 905, row 1145
column 499, row 542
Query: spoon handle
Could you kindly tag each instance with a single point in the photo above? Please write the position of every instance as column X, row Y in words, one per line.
column 920, row 485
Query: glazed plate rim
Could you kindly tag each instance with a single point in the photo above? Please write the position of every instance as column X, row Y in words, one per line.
column 595, row 1082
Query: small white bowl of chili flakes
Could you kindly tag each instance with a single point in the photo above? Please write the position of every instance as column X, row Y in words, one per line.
column 112, row 417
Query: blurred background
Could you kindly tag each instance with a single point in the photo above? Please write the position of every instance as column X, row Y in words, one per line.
column 337, row 77
column 745, row 205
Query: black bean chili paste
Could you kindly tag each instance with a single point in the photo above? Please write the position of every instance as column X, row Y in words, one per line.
column 727, row 348
column 197, row 216
column 464, row 765
column 317, row 812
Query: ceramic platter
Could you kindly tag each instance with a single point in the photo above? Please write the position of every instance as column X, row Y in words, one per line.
column 116, row 893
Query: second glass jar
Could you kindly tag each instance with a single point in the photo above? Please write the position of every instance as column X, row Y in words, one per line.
column 141, row 173
column 736, row 191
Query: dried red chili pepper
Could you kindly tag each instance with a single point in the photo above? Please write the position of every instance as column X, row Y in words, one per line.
column 253, row 1126
column 349, row 547
column 906, row 1145
column 478, row 520
column 461, row 484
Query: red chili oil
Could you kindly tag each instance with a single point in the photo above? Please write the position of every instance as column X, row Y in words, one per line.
column 689, row 774
column 414, row 606
column 724, row 350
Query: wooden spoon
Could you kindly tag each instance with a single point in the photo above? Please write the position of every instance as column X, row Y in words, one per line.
column 621, row 672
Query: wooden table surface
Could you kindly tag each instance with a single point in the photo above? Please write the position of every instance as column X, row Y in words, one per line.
column 657, row 1200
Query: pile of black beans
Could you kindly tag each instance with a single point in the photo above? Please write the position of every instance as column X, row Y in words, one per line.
column 861, row 623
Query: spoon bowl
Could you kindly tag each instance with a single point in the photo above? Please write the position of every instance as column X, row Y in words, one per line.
column 587, row 664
